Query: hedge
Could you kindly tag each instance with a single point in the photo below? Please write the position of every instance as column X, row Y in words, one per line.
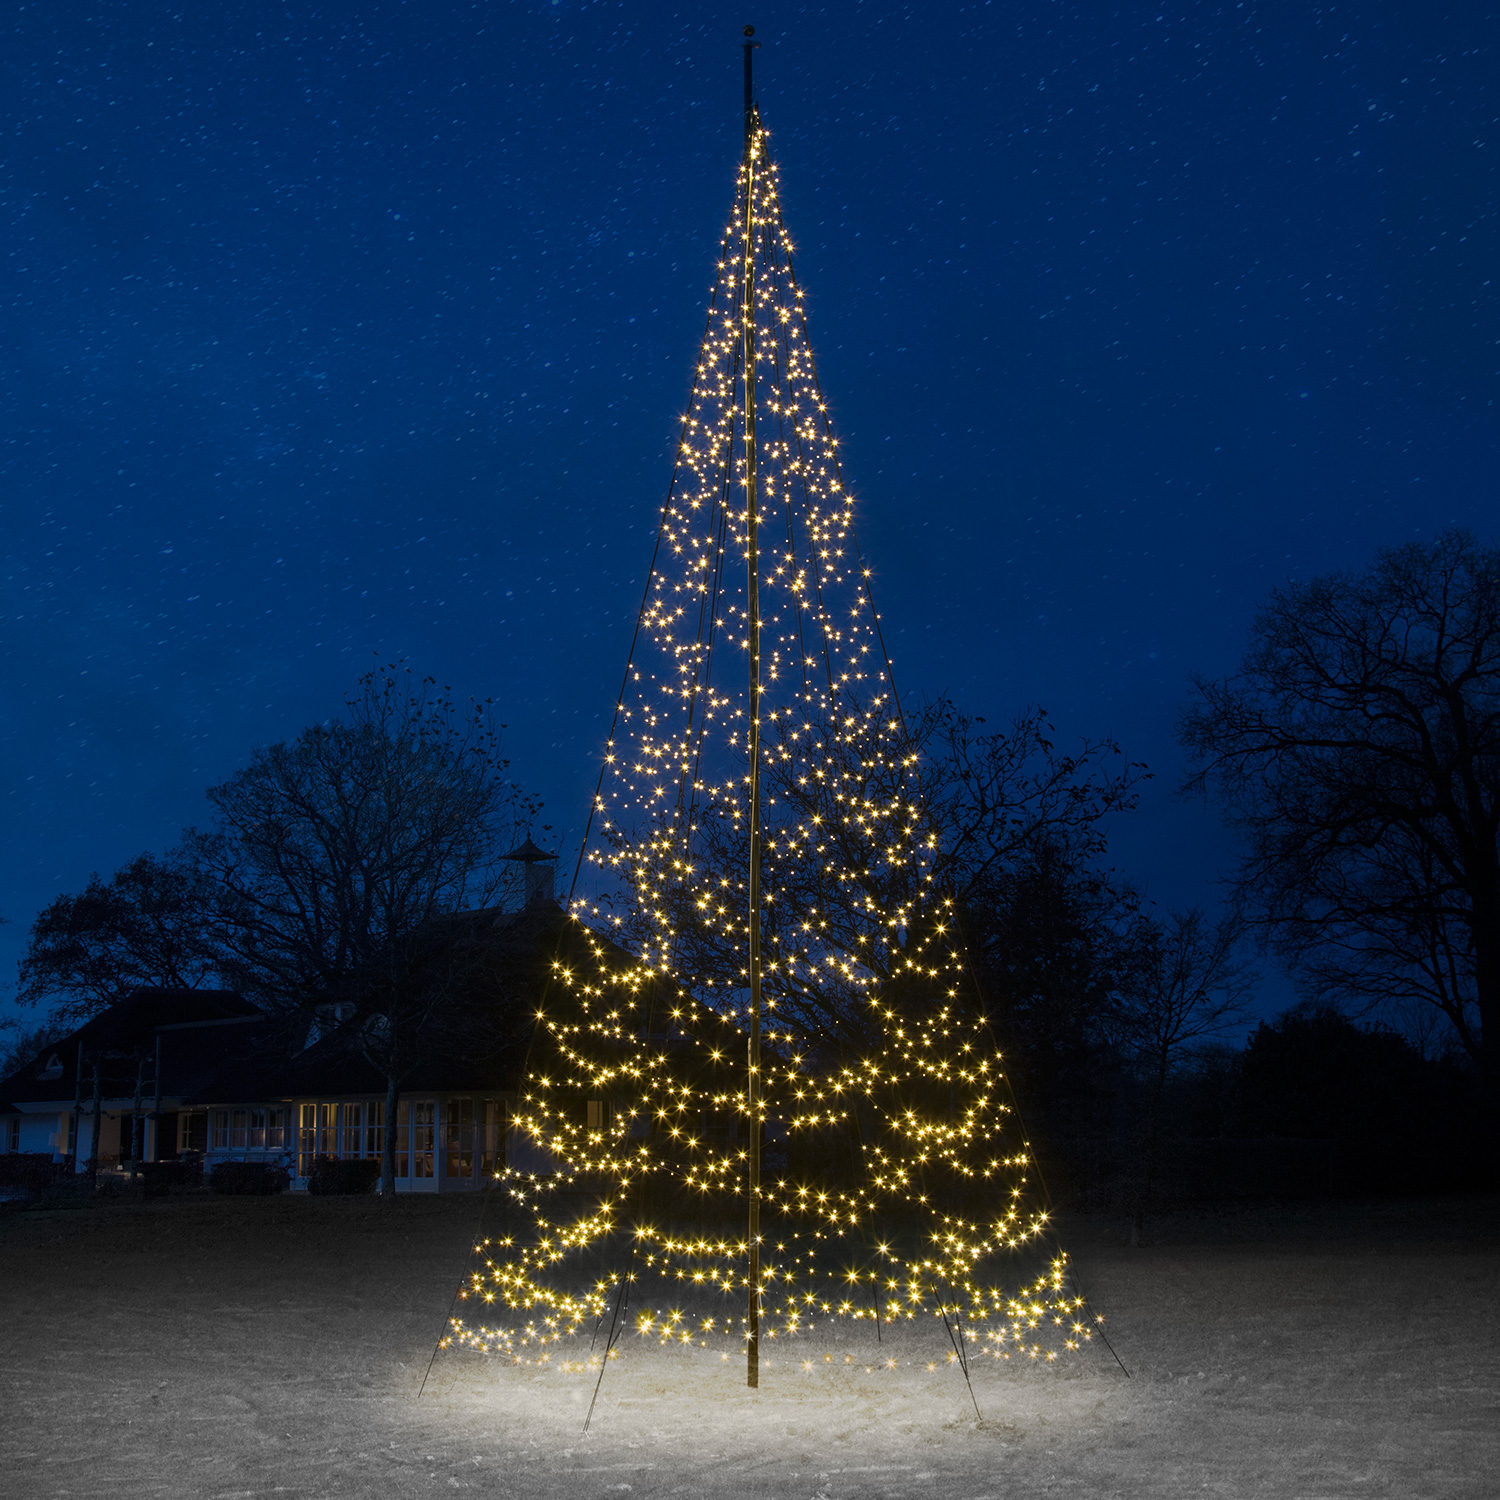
column 355, row 1175
column 250, row 1178
column 32, row 1170
column 161, row 1178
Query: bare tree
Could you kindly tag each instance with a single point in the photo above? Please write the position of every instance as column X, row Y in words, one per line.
column 1187, row 982
column 993, row 798
column 340, row 861
column 1022, row 828
column 1049, row 937
column 24, row 1045
column 1357, row 751
column 865, row 845
column 146, row 925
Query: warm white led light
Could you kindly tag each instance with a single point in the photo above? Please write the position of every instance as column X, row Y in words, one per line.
column 902, row 1175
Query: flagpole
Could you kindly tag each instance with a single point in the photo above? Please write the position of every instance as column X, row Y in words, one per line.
column 752, row 1091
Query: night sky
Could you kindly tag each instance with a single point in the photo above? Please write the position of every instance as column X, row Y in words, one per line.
column 338, row 330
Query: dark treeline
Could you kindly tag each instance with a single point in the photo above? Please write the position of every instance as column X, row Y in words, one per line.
column 1142, row 1084
column 1356, row 753
column 1313, row 1104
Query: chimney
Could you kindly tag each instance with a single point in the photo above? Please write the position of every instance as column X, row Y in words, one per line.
column 538, row 865
column 538, row 882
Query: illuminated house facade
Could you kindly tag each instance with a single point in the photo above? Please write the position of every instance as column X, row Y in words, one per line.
column 169, row 1074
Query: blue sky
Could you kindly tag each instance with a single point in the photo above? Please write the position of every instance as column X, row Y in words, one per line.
column 331, row 333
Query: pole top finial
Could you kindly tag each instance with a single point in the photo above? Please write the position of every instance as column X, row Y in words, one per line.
column 750, row 47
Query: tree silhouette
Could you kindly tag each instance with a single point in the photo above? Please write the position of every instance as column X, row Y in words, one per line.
column 1357, row 752
column 340, row 863
column 148, row 924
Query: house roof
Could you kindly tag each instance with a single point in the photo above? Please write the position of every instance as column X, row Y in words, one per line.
column 528, row 852
column 191, row 1030
column 216, row 1048
column 148, row 1009
column 330, row 1070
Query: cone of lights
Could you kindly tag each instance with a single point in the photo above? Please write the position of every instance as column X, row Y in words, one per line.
column 761, row 1086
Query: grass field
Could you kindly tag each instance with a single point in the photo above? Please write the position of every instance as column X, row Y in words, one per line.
column 215, row 1347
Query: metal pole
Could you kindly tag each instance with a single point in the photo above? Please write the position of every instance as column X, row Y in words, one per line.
column 71, row 1151
column 156, row 1108
column 135, row 1115
column 752, row 1342
column 94, row 1136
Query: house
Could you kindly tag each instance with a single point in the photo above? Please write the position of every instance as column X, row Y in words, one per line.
column 168, row 1073
column 125, row 1081
column 171, row 1073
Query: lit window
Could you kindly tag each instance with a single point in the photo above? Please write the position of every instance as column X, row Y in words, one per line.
column 423, row 1137
column 460, row 1141
column 307, row 1145
column 492, row 1158
column 375, row 1128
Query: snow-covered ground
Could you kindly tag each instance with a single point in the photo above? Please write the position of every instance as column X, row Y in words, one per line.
column 221, row 1347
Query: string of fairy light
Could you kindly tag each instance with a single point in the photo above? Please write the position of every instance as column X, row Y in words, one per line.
column 896, row 1112
column 676, row 762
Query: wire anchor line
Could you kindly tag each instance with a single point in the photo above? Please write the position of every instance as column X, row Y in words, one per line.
column 475, row 1246
column 1015, row 1105
column 616, row 1328
column 640, row 614
column 956, row 1338
column 1098, row 1322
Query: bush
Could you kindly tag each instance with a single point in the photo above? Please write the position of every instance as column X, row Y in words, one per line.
column 356, row 1175
column 31, row 1170
column 160, row 1178
column 250, row 1178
